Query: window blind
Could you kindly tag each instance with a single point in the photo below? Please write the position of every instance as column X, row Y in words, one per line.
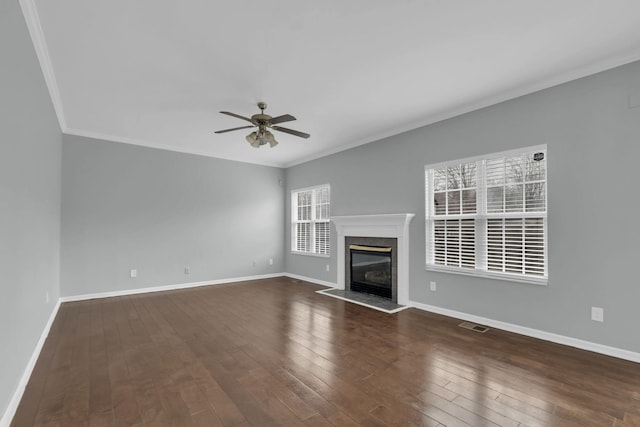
column 310, row 210
column 488, row 215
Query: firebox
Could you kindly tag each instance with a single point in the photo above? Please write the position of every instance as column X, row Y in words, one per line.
column 371, row 269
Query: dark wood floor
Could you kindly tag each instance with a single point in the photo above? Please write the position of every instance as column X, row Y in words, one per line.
column 273, row 352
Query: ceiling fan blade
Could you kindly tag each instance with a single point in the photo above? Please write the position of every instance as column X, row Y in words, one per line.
column 229, row 130
column 282, row 119
column 238, row 116
column 291, row 131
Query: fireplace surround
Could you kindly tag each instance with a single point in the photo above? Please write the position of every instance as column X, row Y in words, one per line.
column 386, row 226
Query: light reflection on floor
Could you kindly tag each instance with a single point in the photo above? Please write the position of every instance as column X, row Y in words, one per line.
column 447, row 378
column 311, row 338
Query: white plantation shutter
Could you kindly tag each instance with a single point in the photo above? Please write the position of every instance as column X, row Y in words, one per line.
column 321, row 241
column 516, row 213
column 452, row 206
column 310, row 220
column 303, row 236
column 454, row 242
column 322, row 238
column 516, row 245
column 488, row 216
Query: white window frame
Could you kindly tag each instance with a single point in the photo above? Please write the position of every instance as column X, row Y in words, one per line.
column 481, row 220
column 313, row 221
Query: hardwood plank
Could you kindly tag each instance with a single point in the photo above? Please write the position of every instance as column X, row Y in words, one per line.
column 206, row 418
column 273, row 352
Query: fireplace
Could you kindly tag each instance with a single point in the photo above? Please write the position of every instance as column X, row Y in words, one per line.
column 371, row 270
column 379, row 228
column 371, row 266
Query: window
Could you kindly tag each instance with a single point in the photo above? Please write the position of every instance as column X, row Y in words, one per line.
column 310, row 229
column 487, row 216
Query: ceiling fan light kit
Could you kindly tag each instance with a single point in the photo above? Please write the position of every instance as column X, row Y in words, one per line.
column 264, row 122
column 262, row 137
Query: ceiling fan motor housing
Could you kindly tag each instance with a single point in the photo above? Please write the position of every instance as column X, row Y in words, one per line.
column 261, row 119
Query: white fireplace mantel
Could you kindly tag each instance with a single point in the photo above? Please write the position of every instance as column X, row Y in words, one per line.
column 388, row 225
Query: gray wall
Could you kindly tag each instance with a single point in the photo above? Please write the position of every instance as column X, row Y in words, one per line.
column 128, row 207
column 29, row 201
column 593, row 150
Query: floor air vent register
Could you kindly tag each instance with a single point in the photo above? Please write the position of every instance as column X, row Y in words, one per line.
column 474, row 327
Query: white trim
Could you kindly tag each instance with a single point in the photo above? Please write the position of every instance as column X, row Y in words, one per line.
column 505, row 153
column 160, row 146
column 534, row 333
column 483, row 274
column 389, row 225
column 30, row 12
column 482, row 218
column 310, row 254
column 395, row 310
column 310, row 279
column 313, row 221
column 313, row 187
column 167, row 287
column 566, row 77
column 10, row 412
column 32, row 20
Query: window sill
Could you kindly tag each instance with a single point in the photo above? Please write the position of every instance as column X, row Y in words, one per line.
column 310, row 254
column 542, row 281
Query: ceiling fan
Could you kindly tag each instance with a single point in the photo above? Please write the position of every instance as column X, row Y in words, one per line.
column 264, row 122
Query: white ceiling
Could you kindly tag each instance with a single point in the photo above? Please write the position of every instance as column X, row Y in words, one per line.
column 157, row 72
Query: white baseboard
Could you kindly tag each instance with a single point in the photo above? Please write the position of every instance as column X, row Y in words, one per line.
column 166, row 288
column 9, row 413
column 5, row 421
column 310, row 279
column 522, row 330
column 17, row 396
column 535, row 333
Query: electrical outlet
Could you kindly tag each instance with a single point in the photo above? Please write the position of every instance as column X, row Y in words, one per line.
column 187, row 270
column 270, row 261
column 432, row 286
column 328, row 268
column 47, row 297
column 597, row 314
column 133, row 273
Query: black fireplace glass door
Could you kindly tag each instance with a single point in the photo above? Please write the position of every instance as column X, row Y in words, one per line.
column 371, row 272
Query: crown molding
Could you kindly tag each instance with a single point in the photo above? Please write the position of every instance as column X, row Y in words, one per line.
column 30, row 12
column 158, row 146
column 517, row 92
column 32, row 19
